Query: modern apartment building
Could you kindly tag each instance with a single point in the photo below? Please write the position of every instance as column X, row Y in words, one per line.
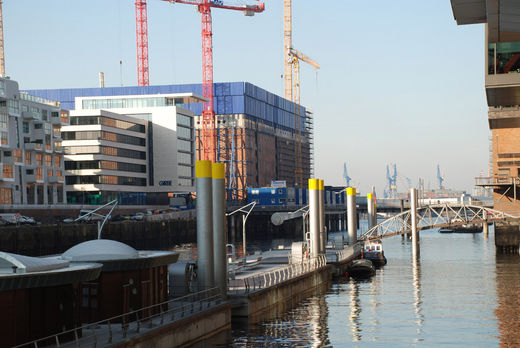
column 138, row 149
column 31, row 156
column 258, row 133
column 502, row 83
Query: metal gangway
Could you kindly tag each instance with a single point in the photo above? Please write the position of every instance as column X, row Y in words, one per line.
column 436, row 216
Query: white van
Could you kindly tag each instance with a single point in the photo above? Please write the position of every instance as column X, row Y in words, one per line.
column 10, row 218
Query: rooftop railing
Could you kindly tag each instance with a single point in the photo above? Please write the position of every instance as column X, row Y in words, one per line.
column 497, row 180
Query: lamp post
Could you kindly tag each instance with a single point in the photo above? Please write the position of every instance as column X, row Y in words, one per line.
column 246, row 209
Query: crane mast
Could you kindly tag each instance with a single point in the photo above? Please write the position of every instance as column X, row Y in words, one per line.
column 2, row 56
column 207, row 141
column 292, row 59
column 141, row 24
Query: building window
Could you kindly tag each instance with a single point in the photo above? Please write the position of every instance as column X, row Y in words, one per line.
column 185, row 171
column 38, row 126
column 6, row 196
column 39, row 159
column 4, row 121
column 48, row 160
column 185, row 182
column 59, row 173
column 27, row 158
column 18, row 158
column 8, row 171
column 44, row 115
column 25, row 126
column 49, row 173
column 184, row 158
column 39, row 174
column 57, row 161
column 184, row 145
column 183, row 132
column 4, row 138
column 14, row 107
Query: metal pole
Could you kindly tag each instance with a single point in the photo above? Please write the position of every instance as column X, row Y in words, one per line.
column 314, row 216
column 485, row 227
column 370, row 210
column 218, row 175
column 323, row 233
column 415, row 232
column 244, row 246
column 402, row 210
column 374, row 201
column 351, row 215
column 204, row 224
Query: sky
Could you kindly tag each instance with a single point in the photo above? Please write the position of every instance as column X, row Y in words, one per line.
column 399, row 81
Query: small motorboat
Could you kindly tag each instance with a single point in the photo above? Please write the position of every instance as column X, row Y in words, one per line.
column 360, row 269
column 373, row 251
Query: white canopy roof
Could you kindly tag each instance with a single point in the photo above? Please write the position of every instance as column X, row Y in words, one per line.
column 9, row 263
column 100, row 250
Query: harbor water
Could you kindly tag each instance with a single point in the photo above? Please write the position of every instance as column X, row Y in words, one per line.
column 458, row 294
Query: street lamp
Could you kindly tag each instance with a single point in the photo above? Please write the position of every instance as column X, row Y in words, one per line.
column 246, row 209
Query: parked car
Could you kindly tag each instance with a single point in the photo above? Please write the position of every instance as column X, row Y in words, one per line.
column 27, row 220
column 120, row 217
column 138, row 216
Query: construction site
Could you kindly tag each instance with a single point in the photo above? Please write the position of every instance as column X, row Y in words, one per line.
column 259, row 135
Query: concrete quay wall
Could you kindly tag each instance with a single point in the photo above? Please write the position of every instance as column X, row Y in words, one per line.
column 270, row 302
column 185, row 332
column 53, row 239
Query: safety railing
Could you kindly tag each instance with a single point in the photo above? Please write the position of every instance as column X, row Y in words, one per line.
column 342, row 255
column 131, row 324
column 276, row 276
column 497, row 180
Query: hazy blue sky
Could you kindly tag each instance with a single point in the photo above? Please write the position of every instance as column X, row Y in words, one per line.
column 399, row 81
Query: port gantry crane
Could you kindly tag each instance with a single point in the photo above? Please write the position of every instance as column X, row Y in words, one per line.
column 292, row 59
column 207, row 139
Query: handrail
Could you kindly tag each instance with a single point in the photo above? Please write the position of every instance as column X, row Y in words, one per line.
column 277, row 276
column 181, row 308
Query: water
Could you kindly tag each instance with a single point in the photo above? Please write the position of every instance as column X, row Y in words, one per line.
column 459, row 294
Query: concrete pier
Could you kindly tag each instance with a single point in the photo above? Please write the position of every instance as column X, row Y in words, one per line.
column 507, row 237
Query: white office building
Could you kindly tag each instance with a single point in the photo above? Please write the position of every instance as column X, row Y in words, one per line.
column 138, row 149
column 31, row 157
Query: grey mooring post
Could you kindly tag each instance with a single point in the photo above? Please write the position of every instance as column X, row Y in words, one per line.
column 323, row 228
column 402, row 210
column 485, row 227
column 314, row 217
column 415, row 231
column 204, row 224
column 351, row 215
column 370, row 210
column 374, row 201
column 219, row 226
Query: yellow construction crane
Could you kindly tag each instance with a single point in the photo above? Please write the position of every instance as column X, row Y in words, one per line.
column 292, row 85
column 2, row 57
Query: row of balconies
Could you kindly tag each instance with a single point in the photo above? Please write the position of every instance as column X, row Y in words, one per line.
column 30, row 178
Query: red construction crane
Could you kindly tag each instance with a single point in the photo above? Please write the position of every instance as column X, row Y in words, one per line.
column 141, row 25
column 207, row 144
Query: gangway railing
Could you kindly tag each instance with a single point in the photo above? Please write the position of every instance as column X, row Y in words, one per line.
column 276, row 276
column 131, row 324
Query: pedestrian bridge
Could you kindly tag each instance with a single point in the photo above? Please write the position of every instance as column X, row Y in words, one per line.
column 436, row 216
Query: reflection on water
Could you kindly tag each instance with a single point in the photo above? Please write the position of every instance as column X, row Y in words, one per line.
column 508, row 292
column 458, row 294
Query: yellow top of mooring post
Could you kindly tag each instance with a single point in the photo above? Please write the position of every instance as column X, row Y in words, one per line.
column 218, row 171
column 351, row 191
column 369, row 196
column 322, row 185
column 203, row 169
column 314, row 184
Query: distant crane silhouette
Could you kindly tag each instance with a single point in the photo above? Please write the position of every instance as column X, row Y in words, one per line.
column 391, row 190
column 440, row 178
column 345, row 175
